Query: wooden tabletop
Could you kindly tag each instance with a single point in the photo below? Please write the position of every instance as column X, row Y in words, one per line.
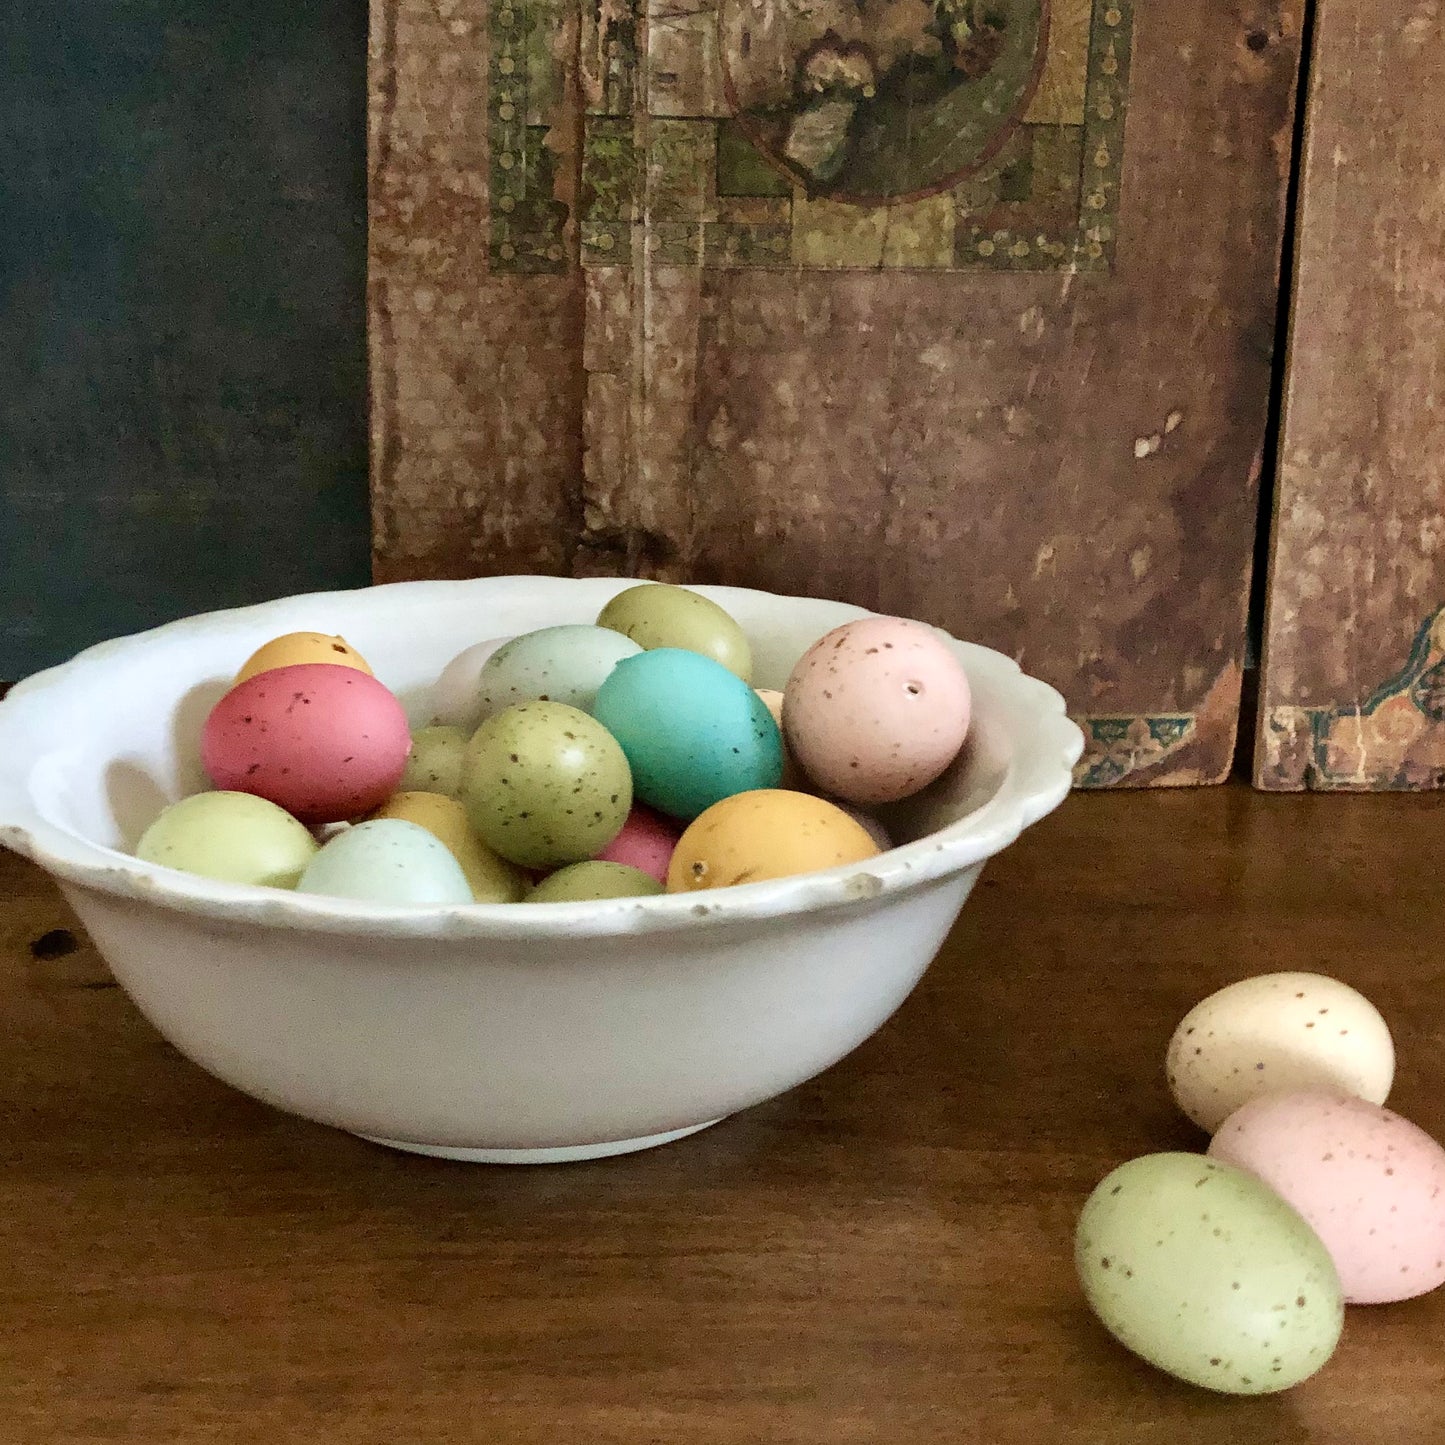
column 882, row 1255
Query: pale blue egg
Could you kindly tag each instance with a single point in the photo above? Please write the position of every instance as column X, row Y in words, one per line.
column 693, row 732
column 387, row 860
column 564, row 664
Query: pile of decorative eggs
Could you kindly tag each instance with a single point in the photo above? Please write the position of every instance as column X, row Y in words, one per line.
column 622, row 757
column 1232, row 1270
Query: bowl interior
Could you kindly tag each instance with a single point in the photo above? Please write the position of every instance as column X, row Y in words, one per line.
column 122, row 724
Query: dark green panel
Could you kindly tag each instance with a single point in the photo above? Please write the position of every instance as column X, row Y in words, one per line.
column 182, row 312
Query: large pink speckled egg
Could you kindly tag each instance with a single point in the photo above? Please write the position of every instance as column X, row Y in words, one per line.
column 1369, row 1183
column 647, row 841
column 325, row 743
column 876, row 710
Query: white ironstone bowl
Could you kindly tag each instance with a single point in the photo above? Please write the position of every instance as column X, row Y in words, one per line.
column 495, row 1032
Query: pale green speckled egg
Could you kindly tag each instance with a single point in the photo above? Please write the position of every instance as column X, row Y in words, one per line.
column 1208, row 1274
column 434, row 764
column 657, row 614
column 545, row 784
column 554, row 664
column 593, row 882
column 233, row 837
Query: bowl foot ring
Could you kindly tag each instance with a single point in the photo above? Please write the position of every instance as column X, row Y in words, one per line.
column 564, row 1154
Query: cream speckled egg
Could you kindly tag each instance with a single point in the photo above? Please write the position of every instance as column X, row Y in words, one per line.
column 1273, row 1033
column 1370, row 1184
column 876, row 709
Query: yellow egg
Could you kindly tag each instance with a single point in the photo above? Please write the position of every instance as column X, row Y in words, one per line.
column 493, row 879
column 298, row 647
column 767, row 833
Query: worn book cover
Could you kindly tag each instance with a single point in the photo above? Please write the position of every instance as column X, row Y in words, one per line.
column 1353, row 688
column 959, row 309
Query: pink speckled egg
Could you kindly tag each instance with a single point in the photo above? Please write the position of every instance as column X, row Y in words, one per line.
column 325, row 743
column 876, row 710
column 647, row 841
column 1369, row 1183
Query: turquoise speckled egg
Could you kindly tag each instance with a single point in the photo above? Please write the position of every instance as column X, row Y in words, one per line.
column 1208, row 1274
column 694, row 733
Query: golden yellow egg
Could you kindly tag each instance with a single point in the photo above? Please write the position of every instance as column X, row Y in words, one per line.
column 298, row 647
column 493, row 879
column 767, row 833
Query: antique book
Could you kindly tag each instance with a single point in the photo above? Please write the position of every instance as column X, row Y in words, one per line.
column 1353, row 684
column 959, row 309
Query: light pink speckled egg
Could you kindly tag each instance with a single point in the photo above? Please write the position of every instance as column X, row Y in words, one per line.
column 1369, row 1183
column 876, row 710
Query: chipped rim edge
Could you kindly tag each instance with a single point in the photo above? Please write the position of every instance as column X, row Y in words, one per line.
column 1046, row 743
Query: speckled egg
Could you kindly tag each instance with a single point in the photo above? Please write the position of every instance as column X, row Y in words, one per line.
column 387, row 861
column 1371, row 1184
column 592, row 882
column 692, row 731
column 656, row 614
column 1208, row 1274
column 752, row 837
column 298, row 647
column 647, row 841
column 1274, row 1033
column 324, row 743
column 876, row 709
column 455, row 696
column 545, row 784
column 492, row 879
column 554, row 664
column 234, row 837
column 434, row 764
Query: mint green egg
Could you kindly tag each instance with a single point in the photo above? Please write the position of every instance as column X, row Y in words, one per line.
column 232, row 837
column 564, row 664
column 591, row 882
column 387, row 860
column 1208, row 1274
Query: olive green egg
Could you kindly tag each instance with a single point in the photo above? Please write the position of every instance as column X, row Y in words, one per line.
column 544, row 784
column 592, row 882
column 657, row 614
column 435, row 762
column 233, row 837
column 1208, row 1274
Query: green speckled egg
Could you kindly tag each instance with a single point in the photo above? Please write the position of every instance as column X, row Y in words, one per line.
column 592, row 882
column 554, row 664
column 657, row 614
column 435, row 762
column 234, row 837
column 1208, row 1274
column 544, row 784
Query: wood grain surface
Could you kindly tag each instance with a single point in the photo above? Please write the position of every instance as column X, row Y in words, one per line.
column 610, row 334
column 883, row 1255
column 1354, row 663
